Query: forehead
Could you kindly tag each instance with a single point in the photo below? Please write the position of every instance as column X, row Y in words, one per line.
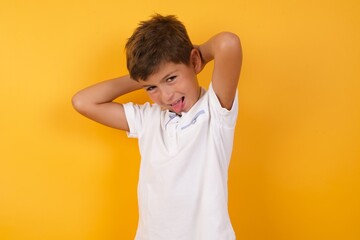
column 164, row 71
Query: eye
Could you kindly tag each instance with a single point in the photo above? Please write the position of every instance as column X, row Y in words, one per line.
column 151, row 88
column 171, row 79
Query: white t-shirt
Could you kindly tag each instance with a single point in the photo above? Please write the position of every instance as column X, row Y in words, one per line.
column 182, row 188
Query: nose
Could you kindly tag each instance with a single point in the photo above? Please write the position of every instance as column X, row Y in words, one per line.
column 167, row 94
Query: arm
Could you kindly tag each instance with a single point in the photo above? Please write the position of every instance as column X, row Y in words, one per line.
column 225, row 49
column 96, row 102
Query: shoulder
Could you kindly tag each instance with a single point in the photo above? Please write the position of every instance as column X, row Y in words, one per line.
column 219, row 113
column 147, row 107
column 139, row 116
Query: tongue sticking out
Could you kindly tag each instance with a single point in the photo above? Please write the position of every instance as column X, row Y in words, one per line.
column 178, row 106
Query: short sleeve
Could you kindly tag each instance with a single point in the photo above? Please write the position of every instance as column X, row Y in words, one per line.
column 224, row 117
column 136, row 116
column 131, row 110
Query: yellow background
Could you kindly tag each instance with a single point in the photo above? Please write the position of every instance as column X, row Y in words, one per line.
column 295, row 172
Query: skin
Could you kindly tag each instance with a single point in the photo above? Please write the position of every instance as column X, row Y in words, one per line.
column 97, row 102
column 174, row 83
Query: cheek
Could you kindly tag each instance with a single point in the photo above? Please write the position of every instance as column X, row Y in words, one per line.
column 154, row 97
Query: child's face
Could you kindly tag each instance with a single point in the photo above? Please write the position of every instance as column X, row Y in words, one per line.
column 174, row 87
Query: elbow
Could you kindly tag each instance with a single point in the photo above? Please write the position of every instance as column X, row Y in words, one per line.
column 230, row 42
column 78, row 103
column 230, row 48
column 230, row 38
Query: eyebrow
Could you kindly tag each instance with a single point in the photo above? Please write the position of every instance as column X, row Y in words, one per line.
column 163, row 78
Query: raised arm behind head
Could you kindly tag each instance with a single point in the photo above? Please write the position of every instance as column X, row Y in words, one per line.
column 225, row 49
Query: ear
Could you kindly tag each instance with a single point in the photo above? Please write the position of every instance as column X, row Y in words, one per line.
column 195, row 60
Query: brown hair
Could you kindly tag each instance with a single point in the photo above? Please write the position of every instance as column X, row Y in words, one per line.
column 158, row 40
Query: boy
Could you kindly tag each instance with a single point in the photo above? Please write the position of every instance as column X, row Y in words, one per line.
column 185, row 137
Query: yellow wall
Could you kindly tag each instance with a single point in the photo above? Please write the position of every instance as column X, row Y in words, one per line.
column 295, row 172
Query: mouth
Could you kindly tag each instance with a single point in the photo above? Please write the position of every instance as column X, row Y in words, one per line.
column 178, row 101
column 178, row 105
